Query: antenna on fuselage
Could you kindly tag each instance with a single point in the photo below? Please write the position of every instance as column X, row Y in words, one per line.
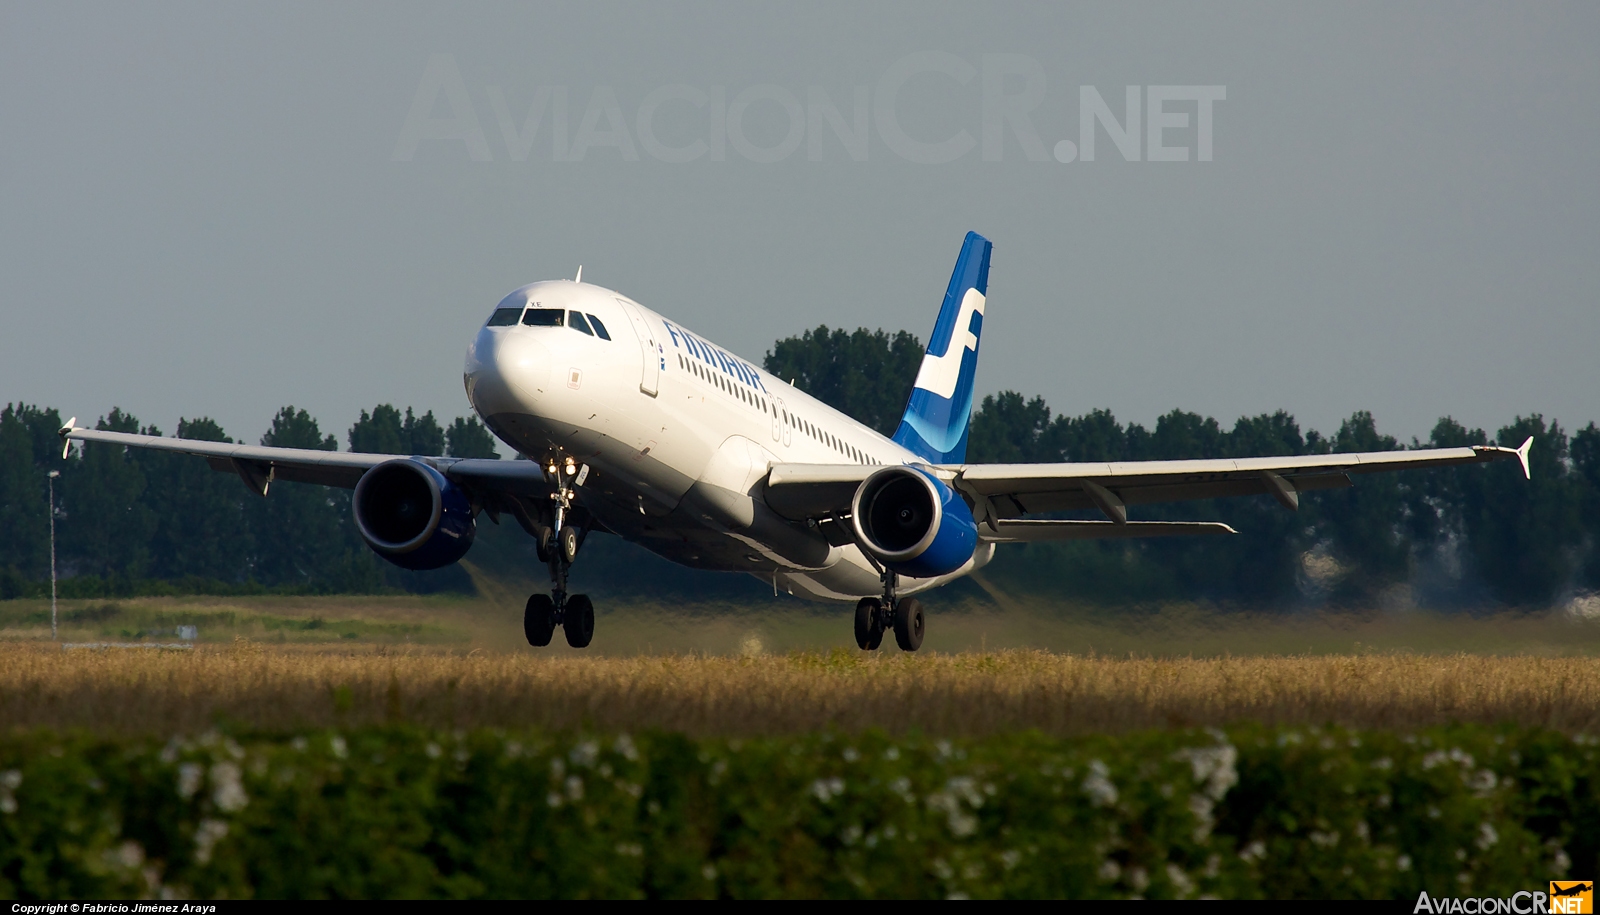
column 580, row 274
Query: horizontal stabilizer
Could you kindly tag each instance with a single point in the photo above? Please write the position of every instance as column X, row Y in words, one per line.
column 1035, row 531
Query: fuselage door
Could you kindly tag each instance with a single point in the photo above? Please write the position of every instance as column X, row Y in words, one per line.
column 780, row 425
column 649, row 348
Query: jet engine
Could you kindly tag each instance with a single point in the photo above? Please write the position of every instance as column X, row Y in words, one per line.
column 913, row 523
column 412, row 515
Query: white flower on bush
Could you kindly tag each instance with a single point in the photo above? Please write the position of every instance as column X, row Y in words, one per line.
column 958, row 794
column 1559, row 860
column 1098, row 785
column 1487, row 837
column 127, row 856
column 1179, row 880
column 227, row 792
column 826, row 789
column 209, row 833
column 10, row 781
column 585, row 754
column 190, row 776
column 1213, row 767
column 624, row 745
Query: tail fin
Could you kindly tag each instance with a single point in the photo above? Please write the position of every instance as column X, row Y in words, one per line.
column 936, row 419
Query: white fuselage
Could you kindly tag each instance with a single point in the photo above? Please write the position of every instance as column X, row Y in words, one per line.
column 679, row 435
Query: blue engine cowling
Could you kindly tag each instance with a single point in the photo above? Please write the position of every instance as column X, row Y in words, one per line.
column 412, row 515
column 913, row 523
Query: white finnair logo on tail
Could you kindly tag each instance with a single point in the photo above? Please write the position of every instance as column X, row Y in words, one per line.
column 939, row 374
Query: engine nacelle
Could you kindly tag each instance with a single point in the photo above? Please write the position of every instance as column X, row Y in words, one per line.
column 412, row 515
column 913, row 523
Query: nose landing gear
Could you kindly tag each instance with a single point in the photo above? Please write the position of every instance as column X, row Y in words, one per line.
column 558, row 547
column 903, row 615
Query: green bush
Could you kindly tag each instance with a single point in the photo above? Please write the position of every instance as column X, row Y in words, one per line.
column 408, row 812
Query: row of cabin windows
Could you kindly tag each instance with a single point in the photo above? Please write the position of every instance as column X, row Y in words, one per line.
column 760, row 403
column 829, row 439
column 550, row 317
column 721, row 381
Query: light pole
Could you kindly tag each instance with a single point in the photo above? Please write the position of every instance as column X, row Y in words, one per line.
column 53, row 475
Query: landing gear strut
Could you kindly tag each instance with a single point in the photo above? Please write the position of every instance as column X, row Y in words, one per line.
column 903, row 615
column 558, row 547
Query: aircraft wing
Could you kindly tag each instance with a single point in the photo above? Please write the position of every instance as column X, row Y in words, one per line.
column 1002, row 493
column 259, row 465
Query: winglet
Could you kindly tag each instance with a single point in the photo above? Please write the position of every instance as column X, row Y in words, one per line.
column 1522, row 455
column 66, row 443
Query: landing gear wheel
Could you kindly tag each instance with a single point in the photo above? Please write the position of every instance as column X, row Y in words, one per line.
column 869, row 623
column 908, row 624
column 541, row 545
column 539, row 620
column 578, row 620
column 568, row 541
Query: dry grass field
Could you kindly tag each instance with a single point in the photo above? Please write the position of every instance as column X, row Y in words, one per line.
column 998, row 665
column 257, row 687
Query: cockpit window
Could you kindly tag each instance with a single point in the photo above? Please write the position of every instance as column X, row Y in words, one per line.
column 576, row 322
column 544, row 317
column 505, row 317
column 599, row 328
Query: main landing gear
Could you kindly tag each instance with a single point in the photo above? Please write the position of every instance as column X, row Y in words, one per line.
column 558, row 547
column 903, row 615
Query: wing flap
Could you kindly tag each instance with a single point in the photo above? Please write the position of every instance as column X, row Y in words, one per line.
column 1018, row 489
column 1038, row 531
column 811, row 491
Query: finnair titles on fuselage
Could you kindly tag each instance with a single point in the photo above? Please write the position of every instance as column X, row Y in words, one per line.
column 641, row 428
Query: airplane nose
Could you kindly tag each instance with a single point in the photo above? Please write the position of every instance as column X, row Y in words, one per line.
column 506, row 372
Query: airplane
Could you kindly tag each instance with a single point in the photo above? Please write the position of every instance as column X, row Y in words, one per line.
column 636, row 426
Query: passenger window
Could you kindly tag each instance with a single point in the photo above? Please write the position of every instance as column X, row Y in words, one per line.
column 599, row 329
column 504, row 317
column 576, row 322
column 544, row 317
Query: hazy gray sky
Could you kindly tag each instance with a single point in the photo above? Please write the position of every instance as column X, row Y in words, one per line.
column 208, row 209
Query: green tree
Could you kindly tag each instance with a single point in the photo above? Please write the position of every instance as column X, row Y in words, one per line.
column 385, row 431
column 1094, row 436
column 422, row 434
column 200, row 513
column 1180, row 436
column 109, row 525
column 302, row 532
column 1009, row 430
column 1363, row 526
column 24, row 512
column 468, row 438
column 1585, row 452
column 866, row 374
column 381, row 432
column 1524, row 533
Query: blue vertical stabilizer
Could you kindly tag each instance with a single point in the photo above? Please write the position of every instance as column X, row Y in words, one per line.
column 936, row 420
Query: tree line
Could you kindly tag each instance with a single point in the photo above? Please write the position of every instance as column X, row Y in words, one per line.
column 1461, row 536
column 138, row 521
column 133, row 521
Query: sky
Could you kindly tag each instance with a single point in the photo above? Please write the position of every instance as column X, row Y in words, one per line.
column 219, row 209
